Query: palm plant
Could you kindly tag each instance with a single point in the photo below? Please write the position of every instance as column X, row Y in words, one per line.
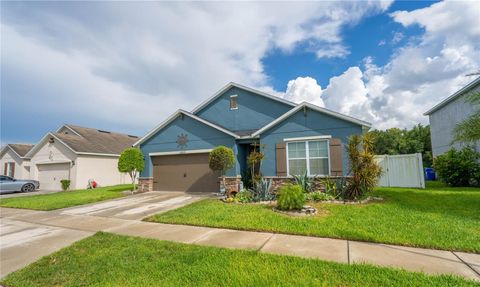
column 363, row 168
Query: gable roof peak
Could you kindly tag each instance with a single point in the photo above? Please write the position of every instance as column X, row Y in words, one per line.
column 304, row 104
column 20, row 149
column 173, row 117
column 242, row 87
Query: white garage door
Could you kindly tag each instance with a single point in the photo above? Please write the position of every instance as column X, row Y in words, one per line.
column 50, row 175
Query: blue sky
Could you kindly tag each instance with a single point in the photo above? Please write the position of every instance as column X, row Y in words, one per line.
column 286, row 66
column 126, row 66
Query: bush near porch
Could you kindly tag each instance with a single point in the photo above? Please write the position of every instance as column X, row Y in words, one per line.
column 439, row 217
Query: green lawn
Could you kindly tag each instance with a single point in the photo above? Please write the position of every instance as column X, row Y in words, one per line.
column 113, row 260
column 437, row 217
column 65, row 198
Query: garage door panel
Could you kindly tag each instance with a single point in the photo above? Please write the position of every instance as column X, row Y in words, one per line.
column 50, row 175
column 188, row 172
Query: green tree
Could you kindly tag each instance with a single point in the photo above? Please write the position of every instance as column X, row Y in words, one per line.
column 403, row 141
column 469, row 129
column 131, row 162
column 221, row 159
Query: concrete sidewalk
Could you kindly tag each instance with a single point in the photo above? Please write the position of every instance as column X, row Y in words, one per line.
column 343, row 251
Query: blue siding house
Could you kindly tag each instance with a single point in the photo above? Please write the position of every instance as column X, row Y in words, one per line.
column 295, row 138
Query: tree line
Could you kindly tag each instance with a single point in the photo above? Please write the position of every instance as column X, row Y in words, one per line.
column 404, row 141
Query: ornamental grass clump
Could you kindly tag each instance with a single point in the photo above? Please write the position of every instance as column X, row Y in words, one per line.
column 290, row 197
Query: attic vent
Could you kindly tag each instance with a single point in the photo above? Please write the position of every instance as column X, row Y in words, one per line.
column 51, row 140
column 107, row 132
column 233, row 102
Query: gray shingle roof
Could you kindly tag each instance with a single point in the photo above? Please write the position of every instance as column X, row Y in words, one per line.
column 21, row 149
column 96, row 141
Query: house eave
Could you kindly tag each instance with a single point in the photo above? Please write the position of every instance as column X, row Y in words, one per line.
column 173, row 117
column 453, row 97
column 365, row 125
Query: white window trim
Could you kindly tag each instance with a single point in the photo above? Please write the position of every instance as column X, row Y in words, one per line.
column 233, row 96
column 307, row 154
column 307, row 138
column 9, row 169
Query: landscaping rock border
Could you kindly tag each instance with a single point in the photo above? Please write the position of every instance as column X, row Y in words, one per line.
column 305, row 211
column 363, row 201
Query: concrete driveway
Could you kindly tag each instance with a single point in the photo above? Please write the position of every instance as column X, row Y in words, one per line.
column 136, row 207
column 28, row 235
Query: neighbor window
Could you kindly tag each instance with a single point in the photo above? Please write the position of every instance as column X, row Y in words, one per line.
column 308, row 156
column 233, row 102
column 9, row 169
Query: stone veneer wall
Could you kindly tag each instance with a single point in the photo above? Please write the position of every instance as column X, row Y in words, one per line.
column 232, row 184
column 145, row 184
column 279, row 181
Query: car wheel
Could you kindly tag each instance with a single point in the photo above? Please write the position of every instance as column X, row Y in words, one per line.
column 28, row 187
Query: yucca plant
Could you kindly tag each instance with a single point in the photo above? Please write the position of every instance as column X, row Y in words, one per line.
column 307, row 183
column 262, row 190
column 364, row 170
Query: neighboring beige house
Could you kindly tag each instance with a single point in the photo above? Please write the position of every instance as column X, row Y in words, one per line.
column 79, row 154
column 13, row 161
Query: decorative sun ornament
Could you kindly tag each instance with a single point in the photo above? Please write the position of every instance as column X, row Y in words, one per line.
column 182, row 141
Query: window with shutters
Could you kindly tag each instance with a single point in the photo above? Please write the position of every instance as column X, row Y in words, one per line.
column 308, row 156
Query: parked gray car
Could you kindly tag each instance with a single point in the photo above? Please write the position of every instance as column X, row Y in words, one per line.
column 9, row 184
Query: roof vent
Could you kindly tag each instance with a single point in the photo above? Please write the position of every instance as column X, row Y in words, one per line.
column 106, row 132
column 133, row 136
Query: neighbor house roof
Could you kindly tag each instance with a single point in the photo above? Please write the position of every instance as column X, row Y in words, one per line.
column 84, row 140
column 174, row 116
column 242, row 87
column 315, row 108
column 20, row 150
column 453, row 97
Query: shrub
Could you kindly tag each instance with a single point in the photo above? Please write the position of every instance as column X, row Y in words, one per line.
column 221, row 159
column 307, row 183
column 290, row 197
column 318, row 196
column 244, row 196
column 65, row 184
column 262, row 190
column 458, row 167
column 363, row 168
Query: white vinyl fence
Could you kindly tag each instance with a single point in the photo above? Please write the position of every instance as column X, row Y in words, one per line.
column 403, row 170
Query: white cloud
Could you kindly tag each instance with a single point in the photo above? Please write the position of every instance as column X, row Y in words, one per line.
column 333, row 51
column 127, row 65
column 304, row 89
column 419, row 75
column 397, row 37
